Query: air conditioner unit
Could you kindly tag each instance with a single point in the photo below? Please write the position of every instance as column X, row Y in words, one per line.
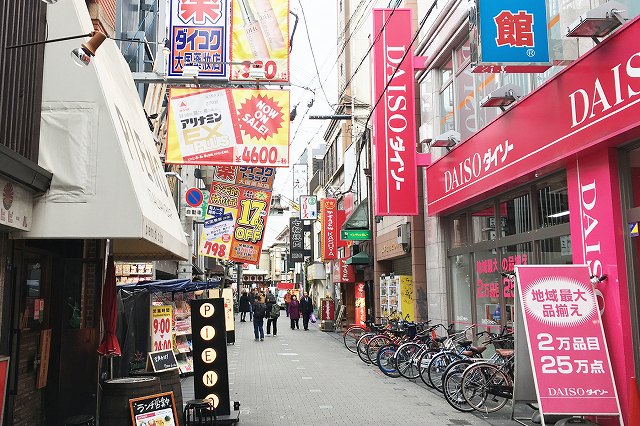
column 404, row 232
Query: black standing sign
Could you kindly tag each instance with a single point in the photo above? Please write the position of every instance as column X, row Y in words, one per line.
column 210, row 371
column 162, row 360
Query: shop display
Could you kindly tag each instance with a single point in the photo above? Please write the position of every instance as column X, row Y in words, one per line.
column 396, row 295
column 131, row 273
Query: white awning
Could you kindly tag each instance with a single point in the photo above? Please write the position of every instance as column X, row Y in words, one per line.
column 108, row 181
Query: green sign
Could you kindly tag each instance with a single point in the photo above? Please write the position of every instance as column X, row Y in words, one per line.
column 355, row 234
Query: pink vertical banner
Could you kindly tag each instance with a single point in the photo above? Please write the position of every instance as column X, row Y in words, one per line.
column 567, row 347
column 395, row 182
column 361, row 312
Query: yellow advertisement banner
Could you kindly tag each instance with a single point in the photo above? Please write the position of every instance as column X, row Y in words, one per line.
column 161, row 328
column 228, row 127
column 407, row 302
column 260, row 37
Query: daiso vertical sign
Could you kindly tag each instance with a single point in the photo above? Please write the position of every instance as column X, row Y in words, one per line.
column 568, row 350
column 394, row 137
column 329, row 217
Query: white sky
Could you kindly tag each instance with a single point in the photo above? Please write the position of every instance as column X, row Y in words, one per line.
column 321, row 20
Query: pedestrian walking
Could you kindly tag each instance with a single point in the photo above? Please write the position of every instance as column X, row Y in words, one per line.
column 287, row 300
column 244, row 306
column 259, row 312
column 274, row 313
column 294, row 312
column 270, row 300
column 306, row 309
column 252, row 300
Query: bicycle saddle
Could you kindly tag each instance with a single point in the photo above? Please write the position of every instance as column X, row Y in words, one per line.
column 474, row 350
column 504, row 353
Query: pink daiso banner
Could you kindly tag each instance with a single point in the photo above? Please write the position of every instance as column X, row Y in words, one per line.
column 394, row 138
column 568, row 350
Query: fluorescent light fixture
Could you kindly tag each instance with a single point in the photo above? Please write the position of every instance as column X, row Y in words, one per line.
column 502, row 97
column 447, row 140
column 555, row 215
column 599, row 22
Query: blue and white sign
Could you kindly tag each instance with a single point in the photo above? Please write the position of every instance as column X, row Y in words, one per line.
column 513, row 34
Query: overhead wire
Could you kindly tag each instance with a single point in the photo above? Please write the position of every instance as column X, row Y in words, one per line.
column 313, row 55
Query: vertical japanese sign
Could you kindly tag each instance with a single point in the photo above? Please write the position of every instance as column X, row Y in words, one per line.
column 511, row 36
column 299, row 182
column 228, row 127
column 260, row 36
column 198, row 35
column 161, row 328
column 360, row 305
column 568, row 350
column 329, row 233
column 237, row 213
column 296, row 235
column 308, row 207
column 343, row 273
column 395, row 182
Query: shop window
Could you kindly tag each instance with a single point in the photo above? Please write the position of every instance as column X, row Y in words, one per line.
column 487, row 287
column 447, row 117
column 515, row 215
column 553, row 203
column 483, row 224
column 512, row 256
column 460, row 289
column 556, row 251
column 458, row 231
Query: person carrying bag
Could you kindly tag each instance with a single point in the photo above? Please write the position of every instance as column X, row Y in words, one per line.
column 273, row 312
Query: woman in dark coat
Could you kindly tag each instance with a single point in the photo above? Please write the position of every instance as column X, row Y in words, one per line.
column 294, row 312
column 244, row 306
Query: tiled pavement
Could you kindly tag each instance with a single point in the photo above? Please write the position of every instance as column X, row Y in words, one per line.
column 310, row 378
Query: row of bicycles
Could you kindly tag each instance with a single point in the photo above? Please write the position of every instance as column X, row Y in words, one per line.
column 443, row 358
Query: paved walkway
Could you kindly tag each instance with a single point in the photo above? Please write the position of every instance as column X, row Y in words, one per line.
column 309, row 378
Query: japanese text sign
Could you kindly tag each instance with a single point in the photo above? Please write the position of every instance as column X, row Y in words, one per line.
column 296, row 235
column 343, row 273
column 260, row 36
column 198, row 35
column 361, row 308
column 395, row 181
column 329, row 233
column 237, row 213
column 161, row 328
column 568, row 350
column 308, row 207
column 512, row 34
column 228, row 127
column 154, row 409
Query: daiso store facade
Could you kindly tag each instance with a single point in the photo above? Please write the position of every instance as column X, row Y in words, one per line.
column 555, row 179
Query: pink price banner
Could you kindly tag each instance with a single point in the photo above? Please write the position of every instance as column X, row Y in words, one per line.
column 568, row 350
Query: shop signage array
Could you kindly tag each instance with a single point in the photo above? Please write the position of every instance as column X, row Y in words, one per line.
column 260, row 37
column 158, row 409
column 210, row 369
column 355, row 234
column 308, row 207
column 592, row 99
column 510, row 36
column 198, row 36
column 567, row 346
column 394, row 138
column 237, row 213
column 228, row 127
column 329, row 232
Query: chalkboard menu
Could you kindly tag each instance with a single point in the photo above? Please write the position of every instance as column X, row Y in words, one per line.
column 211, row 376
column 154, row 410
column 162, row 360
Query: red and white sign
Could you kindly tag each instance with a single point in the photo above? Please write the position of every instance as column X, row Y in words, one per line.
column 161, row 328
column 328, row 310
column 394, row 138
column 361, row 310
column 596, row 100
column 571, row 365
column 343, row 273
column 329, row 217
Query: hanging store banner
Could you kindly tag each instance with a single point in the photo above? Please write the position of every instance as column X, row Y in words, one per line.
column 394, row 139
column 198, row 35
column 343, row 273
column 329, row 232
column 299, row 182
column 237, row 213
column 510, row 36
column 360, row 305
column 567, row 346
column 228, row 127
column 308, row 207
column 260, row 36
column 296, row 235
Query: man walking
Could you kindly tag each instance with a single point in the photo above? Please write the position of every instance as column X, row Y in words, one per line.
column 306, row 309
column 252, row 299
column 259, row 312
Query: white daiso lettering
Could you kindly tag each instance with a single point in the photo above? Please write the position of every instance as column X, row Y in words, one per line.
column 468, row 169
column 589, row 224
column 566, row 391
column 588, row 104
column 396, row 100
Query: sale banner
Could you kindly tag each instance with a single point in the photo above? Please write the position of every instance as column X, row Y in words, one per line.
column 329, row 226
column 161, row 328
column 567, row 346
column 228, row 127
column 360, row 305
column 260, row 37
column 198, row 36
column 237, row 213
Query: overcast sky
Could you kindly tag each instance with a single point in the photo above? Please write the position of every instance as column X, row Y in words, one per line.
column 321, row 26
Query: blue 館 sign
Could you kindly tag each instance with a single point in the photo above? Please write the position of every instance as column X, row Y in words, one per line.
column 513, row 32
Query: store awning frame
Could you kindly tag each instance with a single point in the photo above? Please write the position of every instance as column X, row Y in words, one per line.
column 359, row 259
column 359, row 218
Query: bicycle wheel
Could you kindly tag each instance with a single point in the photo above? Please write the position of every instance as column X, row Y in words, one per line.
column 386, row 360
column 451, row 385
column 486, row 388
column 351, row 337
column 406, row 359
column 436, row 368
column 374, row 345
column 423, row 365
column 361, row 347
